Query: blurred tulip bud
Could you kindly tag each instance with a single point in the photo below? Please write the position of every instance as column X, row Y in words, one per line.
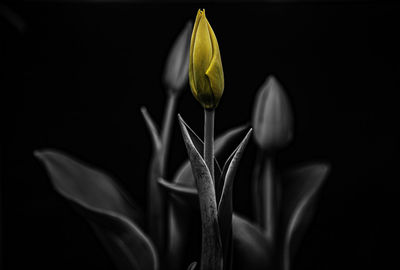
column 176, row 69
column 206, row 76
column 272, row 116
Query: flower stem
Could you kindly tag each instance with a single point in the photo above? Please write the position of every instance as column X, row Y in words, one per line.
column 269, row 198
column 156, row 197
column 166, row 130
column 209, row 140
column 265, row 193
column 256, row 188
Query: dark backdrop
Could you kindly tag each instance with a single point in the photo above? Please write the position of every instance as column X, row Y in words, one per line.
column 75, row 76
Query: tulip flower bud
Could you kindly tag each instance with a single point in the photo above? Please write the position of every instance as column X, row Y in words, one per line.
column 206, row 76
column 176, row 69
column 272, row 116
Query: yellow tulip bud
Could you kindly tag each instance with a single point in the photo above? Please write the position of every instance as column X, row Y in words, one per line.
column 206, row 76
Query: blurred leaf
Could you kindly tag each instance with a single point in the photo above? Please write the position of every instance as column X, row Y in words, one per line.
column 182, row 231
column 156, row 207
column 211, row 248
column 299, row 191
column 225, row 208
column 178, row 192
column 152, row 127
column 192, row 266
column 99, row 199
column 251, row 249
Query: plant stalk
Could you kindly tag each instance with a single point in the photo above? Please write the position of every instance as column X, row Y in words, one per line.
column 265, row 194
column 269, row 198
column 211, row 253
column 257, row 202
column 157, row 206
column 166, row 130
column 209, row 116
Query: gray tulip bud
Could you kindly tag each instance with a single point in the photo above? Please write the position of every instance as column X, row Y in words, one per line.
column 177, row 66
column 272, row 116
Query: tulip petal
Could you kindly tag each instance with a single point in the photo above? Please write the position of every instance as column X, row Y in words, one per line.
column 192, row 39
column 215, row 71
column 202, row 53
column 102, row 202
column 201, row 57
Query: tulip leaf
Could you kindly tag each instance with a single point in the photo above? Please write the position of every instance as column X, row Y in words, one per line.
column 225, row 207
column 181, row 193
column 300, row 188
column 192, row 266
column 211, row 253
column 184, row 193
column 101, row 201
column 199, row 145
column 152, row 127
column 184, row 204
column 156, row 206
column 222, row 145
column 251, row 250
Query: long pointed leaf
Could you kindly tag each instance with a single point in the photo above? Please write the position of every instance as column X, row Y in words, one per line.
column 225, row 208
column 211, row 249
column 199, row 145
column 181, row 218
column 99, row 199
column 300, row 189
column 222, row 144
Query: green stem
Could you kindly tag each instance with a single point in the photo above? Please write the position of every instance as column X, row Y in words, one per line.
column 209, row 140
column 269, row 201
column 257, row 201
column 156, row 197
column 265, row 194
column 211, row 247
column 166, row 130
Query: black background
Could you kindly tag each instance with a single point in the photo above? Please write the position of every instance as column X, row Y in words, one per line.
column 75, row 77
